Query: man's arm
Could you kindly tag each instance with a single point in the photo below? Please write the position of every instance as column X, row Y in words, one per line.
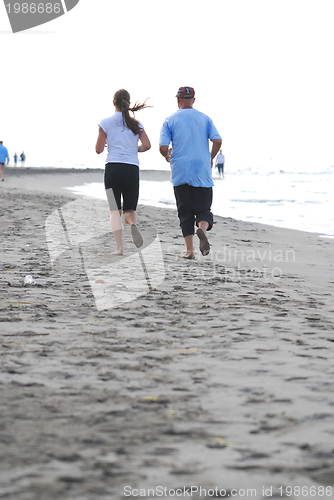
column 216, row 143
column 101, row 141
column 166, row 152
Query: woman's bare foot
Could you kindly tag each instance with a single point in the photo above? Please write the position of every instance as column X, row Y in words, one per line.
column 117, row 252
column 136, row 236
column 188, row 255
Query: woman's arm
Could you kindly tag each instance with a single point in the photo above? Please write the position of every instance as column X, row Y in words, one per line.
column 101, row 141
column 145, row 142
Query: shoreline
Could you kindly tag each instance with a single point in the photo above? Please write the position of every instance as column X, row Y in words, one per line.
column 19, row 171
column 217, row 376
column 56, row 180
column 37, row 178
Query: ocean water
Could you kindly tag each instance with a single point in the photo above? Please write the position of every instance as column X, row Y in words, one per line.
column 293, row 199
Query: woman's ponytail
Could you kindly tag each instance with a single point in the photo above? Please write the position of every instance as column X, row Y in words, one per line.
column 122, row 101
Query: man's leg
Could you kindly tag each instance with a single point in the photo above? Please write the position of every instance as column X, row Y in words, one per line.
column 204, row 244
column 189, row 253
column 2, row 171
column 186, row 217
column 203, row 224
column 202, row 201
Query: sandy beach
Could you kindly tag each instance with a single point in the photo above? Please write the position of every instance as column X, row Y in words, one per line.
column 146, row 374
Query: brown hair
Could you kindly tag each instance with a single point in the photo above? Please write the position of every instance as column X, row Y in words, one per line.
column 122, row 101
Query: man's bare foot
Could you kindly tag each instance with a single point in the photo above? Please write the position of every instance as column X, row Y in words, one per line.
column 117, row 252
column 204, row 244
column 187, row 255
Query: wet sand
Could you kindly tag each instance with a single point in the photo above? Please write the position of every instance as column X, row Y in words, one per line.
column 220, row 376
column 53, row 180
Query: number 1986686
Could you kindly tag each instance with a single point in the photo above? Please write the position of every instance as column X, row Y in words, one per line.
column 34, row 8
column 306, row 491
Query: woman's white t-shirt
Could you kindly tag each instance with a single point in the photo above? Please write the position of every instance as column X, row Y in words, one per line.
column 122, row 142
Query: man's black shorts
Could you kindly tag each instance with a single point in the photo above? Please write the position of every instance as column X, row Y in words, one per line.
column 121, row 180
column 193, row 206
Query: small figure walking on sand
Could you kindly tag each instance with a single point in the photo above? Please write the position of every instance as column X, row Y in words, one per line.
column 121, row 133
column 4, row 157
column 22, row 158
column 220, row 162
column 15, row 159
column 191, row 162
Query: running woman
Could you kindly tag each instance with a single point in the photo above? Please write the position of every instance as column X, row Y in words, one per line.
column 122, row 134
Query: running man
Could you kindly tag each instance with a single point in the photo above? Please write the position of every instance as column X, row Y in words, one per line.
column 191, row 163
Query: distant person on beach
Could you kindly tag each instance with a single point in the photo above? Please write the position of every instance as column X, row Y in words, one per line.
column 4, row 158
column 220, row 162
column 191, row 163
column 22, row 158
column 122, row 132
column 15, row 159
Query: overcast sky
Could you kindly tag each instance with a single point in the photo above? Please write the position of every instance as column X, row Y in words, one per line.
column 261, row 69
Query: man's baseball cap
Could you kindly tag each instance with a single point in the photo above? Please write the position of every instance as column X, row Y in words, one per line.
column 185, row 93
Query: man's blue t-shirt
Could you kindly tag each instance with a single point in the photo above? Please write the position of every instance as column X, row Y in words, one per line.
column 189, row 131
column 3, row 154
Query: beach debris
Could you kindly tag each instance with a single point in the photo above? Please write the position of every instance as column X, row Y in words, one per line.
column 219, row 443
column 151, row 398
column 157, row 399
column 29, row 280
column 19, row 303
column 25, row 334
